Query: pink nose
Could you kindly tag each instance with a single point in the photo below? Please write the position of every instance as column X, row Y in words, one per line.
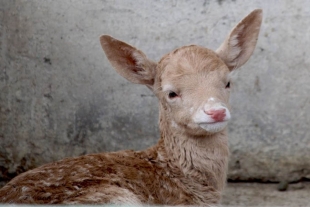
column 217, row 115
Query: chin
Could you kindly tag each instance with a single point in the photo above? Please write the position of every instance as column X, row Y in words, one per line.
column 205, row 129
column 215, row 127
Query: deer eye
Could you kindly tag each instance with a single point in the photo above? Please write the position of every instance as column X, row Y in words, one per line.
column 172, row 94
column 228, row 85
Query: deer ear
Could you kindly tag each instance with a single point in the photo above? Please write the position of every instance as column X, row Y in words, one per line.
column 240, row 43
column 129, row 62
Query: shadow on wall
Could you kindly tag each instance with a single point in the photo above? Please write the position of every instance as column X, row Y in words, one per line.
column 57, row 99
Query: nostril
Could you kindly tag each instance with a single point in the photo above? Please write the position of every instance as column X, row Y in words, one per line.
column 209, row 112
column 215, row 111
column 217, row 114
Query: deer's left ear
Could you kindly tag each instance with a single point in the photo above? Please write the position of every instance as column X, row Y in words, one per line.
column 240, row 43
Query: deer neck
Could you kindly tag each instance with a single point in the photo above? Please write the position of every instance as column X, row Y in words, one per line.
column 201, row 158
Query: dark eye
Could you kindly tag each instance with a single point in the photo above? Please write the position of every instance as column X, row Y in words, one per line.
column 172, row 94
column 228, row 85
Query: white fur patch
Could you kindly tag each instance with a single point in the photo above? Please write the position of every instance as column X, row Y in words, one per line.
column 234, row 49
column 168, row 87
column 173, row 124
column 213, row 127
column 127, row 197
column 160, row 156
column 191, row 109
column 211, row 99
column 25, row 189
column 138, row 57
column 46, row 183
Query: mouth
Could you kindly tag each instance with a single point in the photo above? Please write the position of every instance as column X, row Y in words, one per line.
column 213, row 127
column 212, row 122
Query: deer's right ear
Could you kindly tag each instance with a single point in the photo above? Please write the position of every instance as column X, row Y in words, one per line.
column 128, row 61
column 240, row 43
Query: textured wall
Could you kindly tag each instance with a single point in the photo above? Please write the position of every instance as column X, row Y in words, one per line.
column 60, row 97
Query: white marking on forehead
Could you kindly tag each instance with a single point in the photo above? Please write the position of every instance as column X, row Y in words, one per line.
column 167, row 87
column 191, row 109
column 211, row 99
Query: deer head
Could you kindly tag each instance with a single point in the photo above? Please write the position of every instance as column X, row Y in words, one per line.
column 191, row 82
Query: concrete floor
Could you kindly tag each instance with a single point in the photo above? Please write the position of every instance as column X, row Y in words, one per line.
column 257, row 194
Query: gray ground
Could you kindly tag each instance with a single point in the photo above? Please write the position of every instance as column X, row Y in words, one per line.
column 257, row 194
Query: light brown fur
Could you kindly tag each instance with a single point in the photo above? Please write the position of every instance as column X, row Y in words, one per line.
column 188, row 164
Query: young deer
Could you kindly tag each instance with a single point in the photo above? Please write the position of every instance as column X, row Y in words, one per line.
column 188, row 164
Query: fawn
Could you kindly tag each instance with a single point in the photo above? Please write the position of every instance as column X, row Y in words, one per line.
column 188, row 165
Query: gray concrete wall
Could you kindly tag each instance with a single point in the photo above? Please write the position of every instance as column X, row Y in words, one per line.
column 60, row 97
